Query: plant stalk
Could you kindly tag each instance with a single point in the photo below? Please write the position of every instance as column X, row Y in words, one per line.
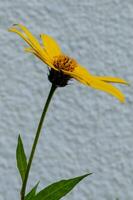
column 23, row 189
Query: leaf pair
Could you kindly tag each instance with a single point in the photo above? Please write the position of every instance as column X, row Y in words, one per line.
column 54, row 191
column 59, row 189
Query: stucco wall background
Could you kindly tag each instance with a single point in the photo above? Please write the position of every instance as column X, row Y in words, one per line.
column 85, row 130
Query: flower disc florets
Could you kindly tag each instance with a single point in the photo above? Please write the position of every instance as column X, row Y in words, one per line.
column 63, row 62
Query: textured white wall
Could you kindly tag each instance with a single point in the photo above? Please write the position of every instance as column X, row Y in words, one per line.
column 85, row 130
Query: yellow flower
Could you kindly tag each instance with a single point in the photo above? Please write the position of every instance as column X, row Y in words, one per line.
column 50, row 53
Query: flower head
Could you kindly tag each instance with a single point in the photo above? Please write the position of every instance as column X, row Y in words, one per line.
column 63, row 67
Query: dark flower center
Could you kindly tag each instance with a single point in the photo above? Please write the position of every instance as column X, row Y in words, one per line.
column 58, row 78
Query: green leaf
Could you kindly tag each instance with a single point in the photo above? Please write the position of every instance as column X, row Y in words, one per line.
column 59, row 189
column 21, row 158
column 32, row 193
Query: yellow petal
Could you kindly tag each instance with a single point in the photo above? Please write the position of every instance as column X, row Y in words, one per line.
column 83, row 76
column 79, row 72
column 100, row 85
column 111, row 79
column 50, row 45
column 29, row 35
column 106, row 87
column 46, row 61
column 32, row 41
column 31, row 50
column 12, row 29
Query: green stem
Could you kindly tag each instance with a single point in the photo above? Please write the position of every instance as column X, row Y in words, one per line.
column 23, row 190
